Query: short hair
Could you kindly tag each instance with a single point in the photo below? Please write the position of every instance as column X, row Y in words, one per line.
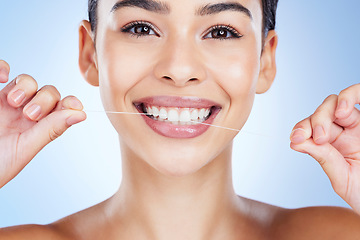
column 268, row 8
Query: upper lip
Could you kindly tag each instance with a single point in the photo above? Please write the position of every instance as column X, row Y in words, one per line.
column 177, row 101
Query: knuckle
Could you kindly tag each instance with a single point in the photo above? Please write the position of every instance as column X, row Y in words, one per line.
column 320, row 119
column 321, row 161
column 71, row 97
column 25, row 78
column 317, row 116
column 2, row 103
column 54, row 134
column 303, row 124
column 330, row 98
column 299, row 125
column 357, row 87
column 318, row 111
column 322, row 158
column 50, row 93
column 28, row 81
column 344, row 93
column 50, row 88
column 354, row 89
column 327, row 106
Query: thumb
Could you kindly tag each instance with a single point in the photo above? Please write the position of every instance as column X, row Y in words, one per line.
column 331, row 161
column 47, row 130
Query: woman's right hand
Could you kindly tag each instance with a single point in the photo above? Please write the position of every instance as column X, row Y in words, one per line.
column 29, row 120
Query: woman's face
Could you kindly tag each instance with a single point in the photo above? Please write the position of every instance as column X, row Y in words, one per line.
column 186, row 58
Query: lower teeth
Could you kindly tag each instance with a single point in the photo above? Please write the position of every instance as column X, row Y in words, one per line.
column 192, row 122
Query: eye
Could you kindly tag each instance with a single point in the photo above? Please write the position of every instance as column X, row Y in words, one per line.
column 222, row 32
column 139, row 28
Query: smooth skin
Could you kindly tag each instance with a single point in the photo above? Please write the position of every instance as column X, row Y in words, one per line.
column 331, row 136
column 30, row 119
column 188, row 195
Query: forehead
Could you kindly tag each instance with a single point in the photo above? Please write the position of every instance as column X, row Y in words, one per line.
column 250, row 8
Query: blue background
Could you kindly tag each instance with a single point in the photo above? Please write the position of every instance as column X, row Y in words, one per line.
column 318, row 55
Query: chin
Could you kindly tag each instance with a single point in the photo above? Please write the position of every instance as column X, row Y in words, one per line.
column 179, row 166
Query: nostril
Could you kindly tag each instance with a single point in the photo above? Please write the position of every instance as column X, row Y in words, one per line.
column 183, row 81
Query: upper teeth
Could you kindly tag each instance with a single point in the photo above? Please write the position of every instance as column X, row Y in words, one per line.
column 178, row 115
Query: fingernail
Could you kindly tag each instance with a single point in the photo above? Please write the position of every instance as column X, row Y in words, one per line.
column 341, row 108
column 318, row 132
column 297, row 135
column 18, row 96
column 72, row 120
column 33, row 111
column 76, row 104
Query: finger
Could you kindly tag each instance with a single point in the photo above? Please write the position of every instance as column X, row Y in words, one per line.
column 346, row 113
column 351, row 121
column 42, row 103
column 24, row 89
column 322, row 121
column 4, row 71
column 47, row 130
column 70, row 102
column 330, row 159
column 301, row 131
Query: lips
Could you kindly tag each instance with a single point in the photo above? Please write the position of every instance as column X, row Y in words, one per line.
column 178, row 117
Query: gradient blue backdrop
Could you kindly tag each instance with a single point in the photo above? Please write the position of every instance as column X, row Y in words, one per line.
column 318, row 55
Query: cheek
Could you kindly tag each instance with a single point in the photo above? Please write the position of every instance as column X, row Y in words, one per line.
column 242, row 74
column 237, row 70
column 121, row 66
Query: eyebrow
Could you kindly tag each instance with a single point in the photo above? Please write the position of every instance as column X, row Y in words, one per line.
column 149, row 5
column 211, row 9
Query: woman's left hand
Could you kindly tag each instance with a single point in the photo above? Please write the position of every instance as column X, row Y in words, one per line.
column 331, row 135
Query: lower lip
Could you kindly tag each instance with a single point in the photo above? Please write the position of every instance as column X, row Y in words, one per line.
column 167, row 129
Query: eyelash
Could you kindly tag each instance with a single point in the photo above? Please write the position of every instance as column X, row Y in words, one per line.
column 130, row 29
column 234, row 34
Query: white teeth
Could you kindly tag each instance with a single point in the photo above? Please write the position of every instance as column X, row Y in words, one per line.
column 149, row 111
column 155, row 111
column 173, row 115
column 194, row 115
column 185, row 116
column 178, row 116
column 202, row 113
column 163, row 114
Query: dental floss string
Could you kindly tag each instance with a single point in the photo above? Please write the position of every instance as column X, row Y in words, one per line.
column 212, row 125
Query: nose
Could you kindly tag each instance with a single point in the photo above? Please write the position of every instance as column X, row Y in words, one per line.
column 180, row 63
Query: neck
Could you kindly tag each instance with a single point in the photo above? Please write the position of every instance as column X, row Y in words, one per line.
column 195, row 206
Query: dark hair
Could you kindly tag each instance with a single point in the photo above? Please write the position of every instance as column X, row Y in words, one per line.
column 269, row 14
column 92, row 9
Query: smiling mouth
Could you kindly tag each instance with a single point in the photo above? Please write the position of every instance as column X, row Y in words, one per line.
column 176, row 115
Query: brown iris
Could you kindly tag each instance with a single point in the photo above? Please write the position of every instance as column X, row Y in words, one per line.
column 219, row 33
column 142, row 29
